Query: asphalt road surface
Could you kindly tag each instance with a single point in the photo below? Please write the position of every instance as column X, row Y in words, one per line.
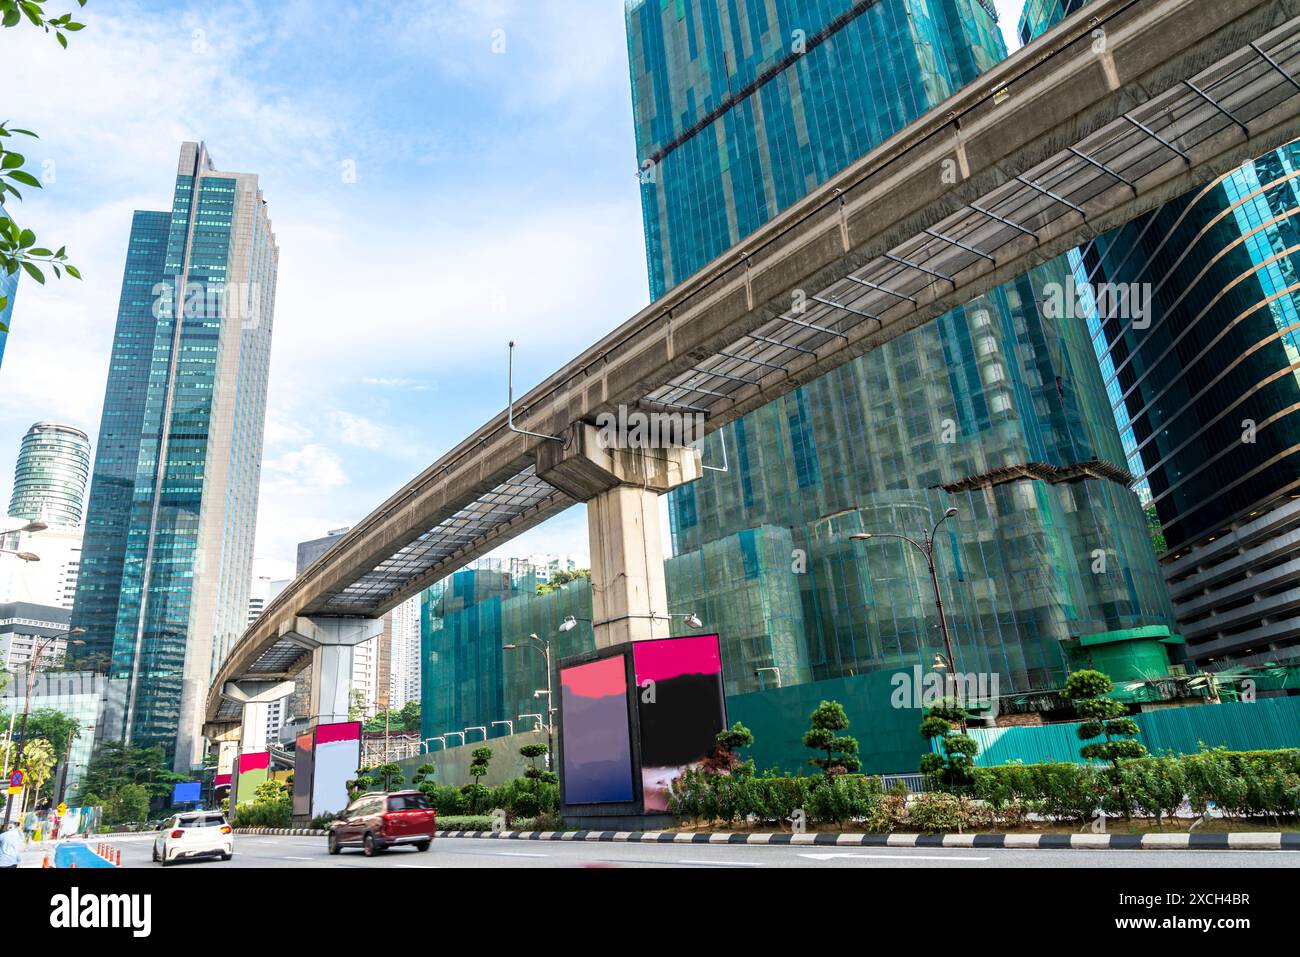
column 310, row 852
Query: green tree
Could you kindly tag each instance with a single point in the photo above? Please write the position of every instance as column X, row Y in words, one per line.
column 357, row 705
column 19, row 248
column 724, row 759
column 423, row 773
column 116, row 765
column 951, row 764
column 38, row 761
column 561, row 578
column 51, row 725
column 128, row 805
column 840, row 750
column 1106, row 718
column 363, row 783
column 480, row 758
column 410, row 715
column 389, row 776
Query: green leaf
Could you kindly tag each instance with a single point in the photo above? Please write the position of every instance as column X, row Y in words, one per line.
column 34, row 272
column 40, row 253
column 73, row 271
column 24, row 177
column 63, row 41
column 12, row 160
column 26, row 238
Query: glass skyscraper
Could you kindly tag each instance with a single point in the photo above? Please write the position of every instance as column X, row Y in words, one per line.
column 1205, row 386
column 170, row 523
column 741, row 107
column 51, row 473
column 994, row 408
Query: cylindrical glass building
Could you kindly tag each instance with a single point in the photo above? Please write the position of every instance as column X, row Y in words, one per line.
column 50, row 478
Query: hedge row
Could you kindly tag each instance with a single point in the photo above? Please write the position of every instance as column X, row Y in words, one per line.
column 1239, row 784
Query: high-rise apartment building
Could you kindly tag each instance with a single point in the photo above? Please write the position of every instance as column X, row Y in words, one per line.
column 173, row 501
column 51, row 473
column 50, row 581
column 404, row 676
column 1202, row 365
column 994, row 408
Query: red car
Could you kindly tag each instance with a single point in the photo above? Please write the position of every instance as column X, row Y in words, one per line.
column 376, row 822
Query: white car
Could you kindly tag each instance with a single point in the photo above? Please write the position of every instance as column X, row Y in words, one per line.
column 194, row 834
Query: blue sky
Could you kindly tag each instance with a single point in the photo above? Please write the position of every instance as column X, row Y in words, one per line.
column 495, row 198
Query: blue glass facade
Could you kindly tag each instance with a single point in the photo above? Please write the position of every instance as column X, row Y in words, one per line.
column 993, row 408
column 1204, row 384
column 169, row 532
column 733, row 126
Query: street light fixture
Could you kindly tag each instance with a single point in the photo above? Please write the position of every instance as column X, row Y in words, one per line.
column 543, row 647
column 926, row 547
column 479, row 728
column 21, row 556
column 437, row 737
column 450, row 733
column 510, row 726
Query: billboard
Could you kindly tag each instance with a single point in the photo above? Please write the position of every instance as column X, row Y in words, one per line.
column 303, row 769
column 595, row 731
column 335, row 760
column 187, row 792
column 251, row 771
column 680, row 709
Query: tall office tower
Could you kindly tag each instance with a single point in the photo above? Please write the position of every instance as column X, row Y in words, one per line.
column 1039, row 15
column 993, row 408
column 50, row 477
column 1206, row 389
column 404, row 679
column 173, row 498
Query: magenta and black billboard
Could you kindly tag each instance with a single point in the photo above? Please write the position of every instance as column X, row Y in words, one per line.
column 634, row 717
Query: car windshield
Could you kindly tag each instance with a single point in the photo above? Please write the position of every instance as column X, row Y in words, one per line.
column 201, row 820
column 408, row 802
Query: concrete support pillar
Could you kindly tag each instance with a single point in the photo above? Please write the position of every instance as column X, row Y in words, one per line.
column 629, row 595
column 621, row 487
column 256, row 697
column 332, row 641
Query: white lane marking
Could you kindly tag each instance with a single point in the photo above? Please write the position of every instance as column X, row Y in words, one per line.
column 519, row 854
column 720, row 863
column 895, row 857
column 300, row 858
column 422, row 867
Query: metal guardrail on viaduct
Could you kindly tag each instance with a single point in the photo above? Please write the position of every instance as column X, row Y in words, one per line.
column 1121, row 107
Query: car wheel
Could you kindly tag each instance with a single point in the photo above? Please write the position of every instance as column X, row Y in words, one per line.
column 334, row 844
column 368, row 845
column 423, row 845
column 226, row 857
column 167, row 862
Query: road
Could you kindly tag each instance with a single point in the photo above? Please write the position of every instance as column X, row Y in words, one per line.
column 309, row 852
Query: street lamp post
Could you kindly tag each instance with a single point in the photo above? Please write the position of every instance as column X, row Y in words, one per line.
column 543, row 648
column 926, row 547
column 32, row 668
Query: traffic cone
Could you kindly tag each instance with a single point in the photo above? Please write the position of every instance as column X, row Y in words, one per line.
column 118, row 861
column 73, row 865
column 45, row 863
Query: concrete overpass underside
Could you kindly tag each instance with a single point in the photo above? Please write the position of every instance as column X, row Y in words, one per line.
column 1121, row 107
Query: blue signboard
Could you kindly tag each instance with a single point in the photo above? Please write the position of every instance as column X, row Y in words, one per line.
column 189, row 792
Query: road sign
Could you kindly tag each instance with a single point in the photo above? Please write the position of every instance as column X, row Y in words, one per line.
column 62, row 809
column 16, row 782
